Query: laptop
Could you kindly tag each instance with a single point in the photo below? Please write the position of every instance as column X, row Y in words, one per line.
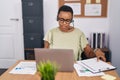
column 63, row 57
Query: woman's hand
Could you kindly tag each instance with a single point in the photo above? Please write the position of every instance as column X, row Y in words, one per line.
column 96, row 53
column 100, row 55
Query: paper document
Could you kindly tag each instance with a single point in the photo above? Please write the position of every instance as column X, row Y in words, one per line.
column 108, row 77
column 24, row 68
column 76, row 7
column 93, row 9
column 96, row 66
column 81, row 71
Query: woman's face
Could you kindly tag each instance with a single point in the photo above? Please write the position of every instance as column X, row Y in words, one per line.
column 64, row 19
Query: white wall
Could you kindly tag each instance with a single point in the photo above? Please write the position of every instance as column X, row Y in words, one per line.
column 115, row 33
column 87, row 25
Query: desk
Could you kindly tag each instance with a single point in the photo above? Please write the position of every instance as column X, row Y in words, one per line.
column 59, row 76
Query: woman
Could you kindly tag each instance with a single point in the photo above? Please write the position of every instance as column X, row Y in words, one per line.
column 68, row 37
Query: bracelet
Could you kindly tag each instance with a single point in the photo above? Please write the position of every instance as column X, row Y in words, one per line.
column 95, row 50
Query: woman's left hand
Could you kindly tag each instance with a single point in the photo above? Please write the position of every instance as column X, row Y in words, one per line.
column 100, row 55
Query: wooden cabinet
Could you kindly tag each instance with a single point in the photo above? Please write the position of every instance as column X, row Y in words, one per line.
column 32, row 26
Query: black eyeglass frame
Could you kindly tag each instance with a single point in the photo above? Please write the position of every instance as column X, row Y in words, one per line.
column 67, row 21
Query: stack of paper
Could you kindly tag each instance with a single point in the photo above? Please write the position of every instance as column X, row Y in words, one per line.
column 81, row 71
column 24, row 68
column 95, row 66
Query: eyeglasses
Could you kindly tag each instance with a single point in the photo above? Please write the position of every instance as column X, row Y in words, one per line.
column 62, row 20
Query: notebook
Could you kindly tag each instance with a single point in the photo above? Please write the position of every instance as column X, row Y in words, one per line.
column 96, row 66
column 63, row 57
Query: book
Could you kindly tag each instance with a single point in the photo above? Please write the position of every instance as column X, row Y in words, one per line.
column 94, row 40
column 91, row 40
column 103, row 40
column 97, row 40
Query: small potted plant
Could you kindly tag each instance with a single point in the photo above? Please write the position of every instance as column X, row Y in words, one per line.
column 47, row 70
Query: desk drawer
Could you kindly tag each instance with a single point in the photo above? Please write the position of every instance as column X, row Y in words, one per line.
column 33, row 25
column 33, row 40
column 32, row 7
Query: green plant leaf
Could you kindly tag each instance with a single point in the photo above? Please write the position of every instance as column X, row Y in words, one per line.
column 47, row 69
